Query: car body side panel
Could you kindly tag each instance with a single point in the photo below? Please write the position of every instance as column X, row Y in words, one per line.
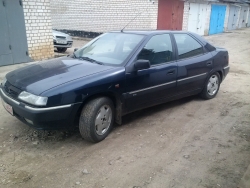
column 147, row 86
column 79, row 90
column 221, row 61
column 193, row 72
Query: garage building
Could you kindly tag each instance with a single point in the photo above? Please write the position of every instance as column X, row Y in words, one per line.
column 25, row 32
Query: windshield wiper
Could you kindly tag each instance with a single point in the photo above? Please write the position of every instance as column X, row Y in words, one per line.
column 91, row 60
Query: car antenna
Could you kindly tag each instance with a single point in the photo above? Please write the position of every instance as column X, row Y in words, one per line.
column 131, row 21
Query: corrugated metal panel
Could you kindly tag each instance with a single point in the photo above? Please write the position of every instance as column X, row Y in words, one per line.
column 178, row 8
column 17, row 31
column 232, row 1
column 248, row 23
column 13, row 45
column 197, row 18
column 217, row 19
column 243, row 17
column 5, row 52
column 170, row 14
column 233, row 17
column 193, row 17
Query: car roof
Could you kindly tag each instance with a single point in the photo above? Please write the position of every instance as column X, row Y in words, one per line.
column 148, row 32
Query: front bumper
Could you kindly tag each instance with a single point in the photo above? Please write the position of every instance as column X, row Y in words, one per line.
column 53, row 118
column 68, row 45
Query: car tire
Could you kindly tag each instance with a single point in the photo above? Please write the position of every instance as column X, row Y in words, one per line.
column 211, row 87
column 61, row 49
column 97, row 119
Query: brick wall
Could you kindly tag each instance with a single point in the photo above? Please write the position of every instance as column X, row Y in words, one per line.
column 185, row 16
column 38, row 29
column 103, row 15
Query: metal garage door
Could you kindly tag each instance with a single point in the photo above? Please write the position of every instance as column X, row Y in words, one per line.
column 217, row 19
column 197, row 18
column 233, row 17
column 13, row 48
column 243, row 17
column 248, row 23
column 170, row 14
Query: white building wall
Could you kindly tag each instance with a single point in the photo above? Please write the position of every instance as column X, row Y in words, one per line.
column 103, row 15
column 38, row 29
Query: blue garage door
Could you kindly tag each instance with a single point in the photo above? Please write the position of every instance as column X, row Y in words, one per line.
column 217, row 19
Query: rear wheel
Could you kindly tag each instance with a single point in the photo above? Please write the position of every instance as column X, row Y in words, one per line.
column 61, row 49
column 212, row 86
column 97, row 119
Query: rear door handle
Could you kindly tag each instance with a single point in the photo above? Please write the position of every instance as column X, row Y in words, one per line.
column 171, row 72
column 209, row 63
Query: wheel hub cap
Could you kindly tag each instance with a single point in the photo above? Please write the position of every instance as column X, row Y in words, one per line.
column 103, row 120
column 213, row 84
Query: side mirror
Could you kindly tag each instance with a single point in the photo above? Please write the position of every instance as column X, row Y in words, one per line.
column 75, row 49
column 141, row 64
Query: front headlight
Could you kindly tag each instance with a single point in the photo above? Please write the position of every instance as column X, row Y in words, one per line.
column 33, row 99
column 3, row 82
column 69, row 38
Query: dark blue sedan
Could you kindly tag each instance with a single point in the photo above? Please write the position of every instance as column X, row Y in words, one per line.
column 113, row 75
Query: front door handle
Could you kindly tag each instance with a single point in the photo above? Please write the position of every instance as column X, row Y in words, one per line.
column 171, row 72
column 209, row 63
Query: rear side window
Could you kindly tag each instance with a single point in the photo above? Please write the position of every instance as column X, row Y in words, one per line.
column 187, row 46
column 157, row 50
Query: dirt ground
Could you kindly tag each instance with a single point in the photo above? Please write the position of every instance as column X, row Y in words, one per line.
column 187, row 143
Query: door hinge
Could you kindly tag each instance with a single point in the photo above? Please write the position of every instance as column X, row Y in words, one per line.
column 21, row 3
column 4, row 3
column 10, row 47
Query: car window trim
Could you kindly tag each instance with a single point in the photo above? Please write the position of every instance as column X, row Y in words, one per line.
column 129, row 66
column 205, row 51
column 165, row 63
column 173, row 48
column 177, row 54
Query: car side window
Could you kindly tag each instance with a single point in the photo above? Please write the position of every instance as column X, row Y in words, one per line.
column 187, row 46
column 158, row 50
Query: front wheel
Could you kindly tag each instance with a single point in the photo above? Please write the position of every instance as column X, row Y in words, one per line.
column 97, row 119
column 211, row 87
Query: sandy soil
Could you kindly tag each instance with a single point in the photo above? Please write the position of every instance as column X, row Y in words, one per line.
column 185, row 143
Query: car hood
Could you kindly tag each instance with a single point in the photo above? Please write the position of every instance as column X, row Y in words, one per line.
column 39, row 77
column 58, row 33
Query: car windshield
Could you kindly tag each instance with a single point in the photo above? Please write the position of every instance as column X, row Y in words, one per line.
column 109, row 48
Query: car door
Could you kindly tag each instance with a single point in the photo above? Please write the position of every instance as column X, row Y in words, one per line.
column 194, row 63
column 150, row 86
